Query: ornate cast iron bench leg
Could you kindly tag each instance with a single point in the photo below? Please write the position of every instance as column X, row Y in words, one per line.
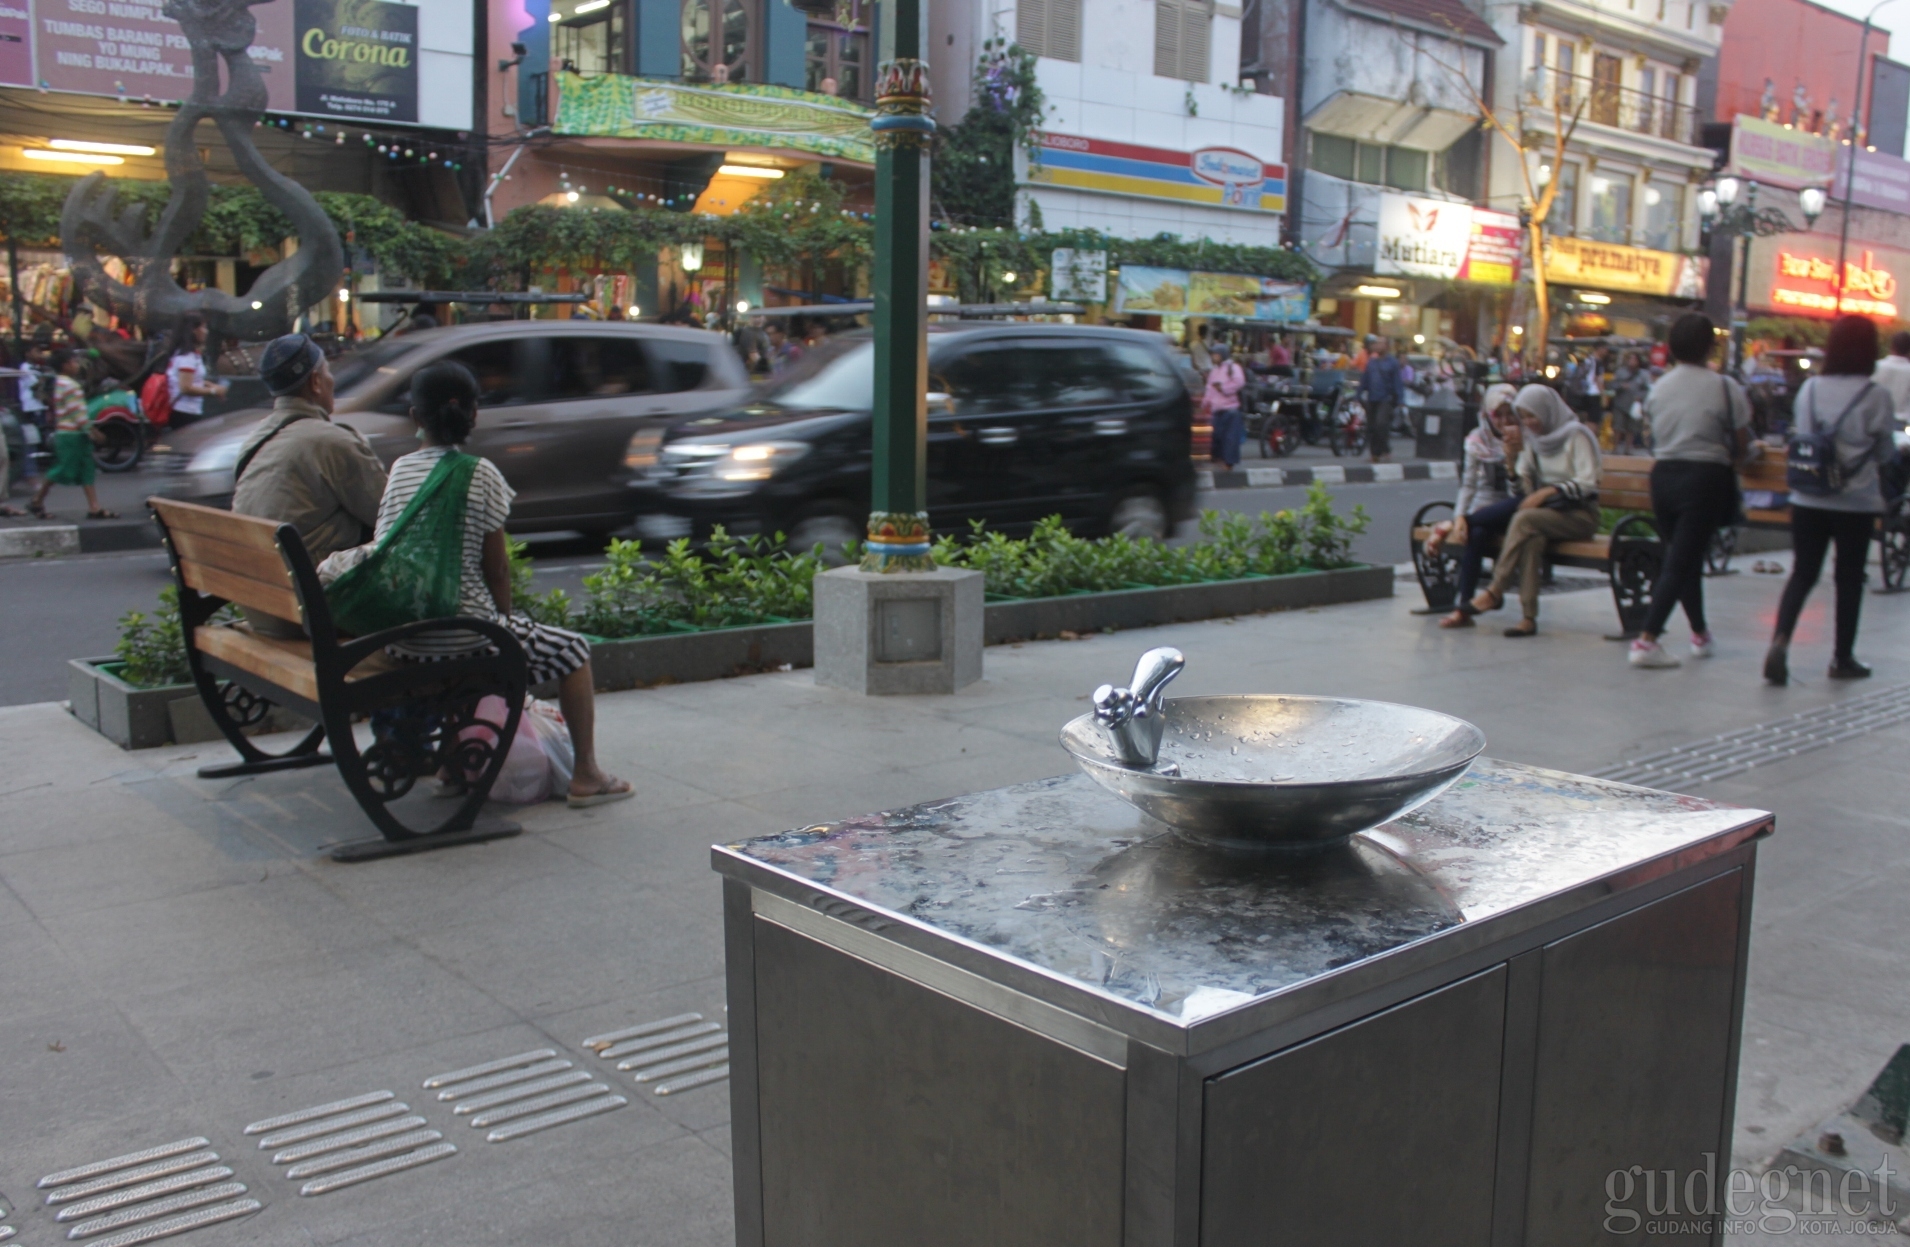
column 1717, row 555
column 1636, row 557
column 1438, row 574
column 423, row 723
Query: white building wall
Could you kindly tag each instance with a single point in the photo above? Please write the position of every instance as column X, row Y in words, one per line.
column 1112, row 94
column 1350, row 52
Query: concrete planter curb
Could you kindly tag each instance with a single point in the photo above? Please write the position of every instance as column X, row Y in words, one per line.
column 145, row 718
column 682, row 658
column 142, row 718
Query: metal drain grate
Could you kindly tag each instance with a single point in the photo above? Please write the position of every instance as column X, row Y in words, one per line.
column 1733, row 753
column 145, row 1195
column 518, row 1095
column 332, row 1146
column 671, row 1055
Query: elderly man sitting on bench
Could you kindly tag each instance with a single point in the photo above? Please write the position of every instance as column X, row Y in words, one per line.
column 301, row 469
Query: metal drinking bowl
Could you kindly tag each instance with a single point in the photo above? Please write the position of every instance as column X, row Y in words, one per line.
column 1277, row 772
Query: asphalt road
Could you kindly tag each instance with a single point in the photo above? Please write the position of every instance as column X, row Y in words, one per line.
column 55, row 609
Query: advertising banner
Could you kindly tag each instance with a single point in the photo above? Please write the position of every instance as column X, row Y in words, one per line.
column 1795, row 275
column 1222, row 294
column 1144, row 289
column 1220, row 177
column 1879, row 181
column 1634, row 270
column 1492, row 258
column 735, row 115
column 1778, row 156
column 16, row 44
column 1289, row 302
column 357, row 59
column 1421, row 237
column 131, row 49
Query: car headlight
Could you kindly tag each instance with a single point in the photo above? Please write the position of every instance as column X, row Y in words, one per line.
column 758, row 461
column 220, row 456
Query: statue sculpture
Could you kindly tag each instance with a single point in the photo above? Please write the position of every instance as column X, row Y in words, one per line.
column 215, row 30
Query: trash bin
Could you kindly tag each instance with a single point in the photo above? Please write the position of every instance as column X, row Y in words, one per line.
column 1443, row 425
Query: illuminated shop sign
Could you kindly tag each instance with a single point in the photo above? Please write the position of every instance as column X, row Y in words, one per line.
column 1808, row 283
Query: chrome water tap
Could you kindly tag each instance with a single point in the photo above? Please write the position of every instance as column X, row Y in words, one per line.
column 1132, row 715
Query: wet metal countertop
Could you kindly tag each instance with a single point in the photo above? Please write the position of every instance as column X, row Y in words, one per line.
column 1060, row 891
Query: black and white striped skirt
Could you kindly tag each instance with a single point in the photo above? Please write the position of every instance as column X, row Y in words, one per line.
column 552, row 653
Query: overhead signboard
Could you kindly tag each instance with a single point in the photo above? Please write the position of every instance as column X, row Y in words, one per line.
column 355, row 60
column 1777, row 155
column 1795, row 275
column 1631, row 270
column 1444, row 240
column 733, row 115
column 1492, row 258
column 1220, row 177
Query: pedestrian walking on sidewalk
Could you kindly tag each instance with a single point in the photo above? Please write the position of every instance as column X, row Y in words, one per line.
column 1486, row 501
column 1558, row 470
column 1224, row 381
column 1893, row 374
column 1843, row 421
column 1701, row 426
column 1382, row 389
column 72, row 439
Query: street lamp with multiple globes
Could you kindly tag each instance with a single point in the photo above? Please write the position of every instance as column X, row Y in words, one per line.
column 1728, row 209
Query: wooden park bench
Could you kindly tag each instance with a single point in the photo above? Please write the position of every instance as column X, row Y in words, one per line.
column 421, row 713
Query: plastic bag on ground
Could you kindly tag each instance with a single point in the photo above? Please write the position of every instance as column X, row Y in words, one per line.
column 540, row 761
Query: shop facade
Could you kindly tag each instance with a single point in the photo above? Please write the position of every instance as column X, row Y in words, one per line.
column 1604, row 289
column 1796, row 275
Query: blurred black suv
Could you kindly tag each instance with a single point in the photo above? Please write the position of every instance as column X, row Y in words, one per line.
column 1024, row 421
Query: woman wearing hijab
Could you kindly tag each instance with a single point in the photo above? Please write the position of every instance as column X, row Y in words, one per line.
column 1558, row 467
column 1486, row 502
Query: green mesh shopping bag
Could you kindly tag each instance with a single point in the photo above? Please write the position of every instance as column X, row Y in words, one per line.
column 418, row 568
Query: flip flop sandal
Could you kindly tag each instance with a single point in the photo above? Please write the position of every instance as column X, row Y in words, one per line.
column 102, row 514
column 38, row 512
column 604, row 797
column 1461, row 621
column 1528, row 628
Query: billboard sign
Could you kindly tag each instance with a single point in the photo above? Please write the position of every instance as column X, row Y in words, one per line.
column 1795, row 275
column 1492, row 258
column 1422, row 237
column 357, row 59
column 1777, row 155
column 1222, row 177
column 1633, row 270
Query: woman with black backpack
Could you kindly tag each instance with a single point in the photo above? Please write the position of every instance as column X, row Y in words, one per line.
column 1841, row 431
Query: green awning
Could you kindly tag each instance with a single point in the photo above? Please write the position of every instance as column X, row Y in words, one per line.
column 734, row 115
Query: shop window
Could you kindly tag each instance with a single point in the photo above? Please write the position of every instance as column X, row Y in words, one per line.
column 1406, row 169
column 1611, row 208
column 715, row 41
column 839, row 51
column 1400, row 167
column 1460, row 169
column 1182, row 32
column 591, row 41
column 1050, row 28
column 1664, row 215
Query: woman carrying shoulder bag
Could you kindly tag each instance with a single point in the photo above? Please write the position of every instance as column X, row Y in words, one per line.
column 1701, row 426
column 1842, row 429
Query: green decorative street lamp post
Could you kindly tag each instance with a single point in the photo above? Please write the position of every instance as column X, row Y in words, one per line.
column 898, row 519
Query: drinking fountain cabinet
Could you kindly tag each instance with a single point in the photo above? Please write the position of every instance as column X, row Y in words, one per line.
column 1033, row 1016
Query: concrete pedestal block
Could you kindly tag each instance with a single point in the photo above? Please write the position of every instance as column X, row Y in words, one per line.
column 898, row 632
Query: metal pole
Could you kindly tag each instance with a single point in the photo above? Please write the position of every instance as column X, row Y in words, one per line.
column 898, row 516
column 19, row 304
column 1850, row 167
column 1741, row 310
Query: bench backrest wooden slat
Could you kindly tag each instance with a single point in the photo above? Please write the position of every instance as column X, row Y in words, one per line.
column 218, row 582
column 235, row 557
column 254, row 564
column 240, row 530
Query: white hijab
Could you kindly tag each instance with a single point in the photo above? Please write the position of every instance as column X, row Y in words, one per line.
column 1557, row 424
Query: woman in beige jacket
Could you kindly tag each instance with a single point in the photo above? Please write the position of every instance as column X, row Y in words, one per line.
column 1559, row 468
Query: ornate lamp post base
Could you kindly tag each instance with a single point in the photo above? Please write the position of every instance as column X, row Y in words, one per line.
column 878, row 633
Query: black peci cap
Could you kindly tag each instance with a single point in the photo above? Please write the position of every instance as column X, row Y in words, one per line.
column 288, row 361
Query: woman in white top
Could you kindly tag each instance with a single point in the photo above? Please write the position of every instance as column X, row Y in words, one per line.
column 1559, row 468
column 186, row 374
column 1843, row 401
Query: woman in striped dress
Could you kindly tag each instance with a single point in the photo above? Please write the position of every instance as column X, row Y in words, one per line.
column 444, row 405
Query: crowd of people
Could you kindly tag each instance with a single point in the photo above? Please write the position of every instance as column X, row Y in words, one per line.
column 1531, row 470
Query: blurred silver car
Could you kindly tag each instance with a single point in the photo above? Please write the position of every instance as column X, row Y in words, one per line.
column 559, row 401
